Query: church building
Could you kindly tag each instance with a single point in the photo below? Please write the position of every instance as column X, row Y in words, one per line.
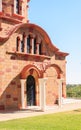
column 32, row 68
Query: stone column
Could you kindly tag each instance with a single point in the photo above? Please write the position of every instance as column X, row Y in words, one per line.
column 21, row 8
column 38, row 42
column 14, row 7
column 37, row 48
column 32, row 45
column 0, row 5
column 60, row 93
column 42, row 86
column 18, row 44
column 64, row 89
column 25, row 43
column 22, row 93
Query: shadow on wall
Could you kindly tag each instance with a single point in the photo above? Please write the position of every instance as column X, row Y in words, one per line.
column 11, row 96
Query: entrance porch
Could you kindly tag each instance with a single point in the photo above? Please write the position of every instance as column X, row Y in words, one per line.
column 28, row 99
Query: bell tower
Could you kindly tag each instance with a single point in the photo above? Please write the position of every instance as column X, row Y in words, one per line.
column 15, row 11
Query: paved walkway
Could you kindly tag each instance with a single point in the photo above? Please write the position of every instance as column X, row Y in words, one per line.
column 67, row 106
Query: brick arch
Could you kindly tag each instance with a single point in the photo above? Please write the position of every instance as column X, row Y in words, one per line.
column 30, row 68
column 58, row 70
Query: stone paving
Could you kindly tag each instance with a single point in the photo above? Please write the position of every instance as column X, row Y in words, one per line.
column 67, row 105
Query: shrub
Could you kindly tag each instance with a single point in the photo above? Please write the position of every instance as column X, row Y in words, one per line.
column 73, row 91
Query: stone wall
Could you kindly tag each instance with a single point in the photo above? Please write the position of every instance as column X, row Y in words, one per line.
column 12, row 64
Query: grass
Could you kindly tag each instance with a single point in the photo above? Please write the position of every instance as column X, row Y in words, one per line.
column 58, row 121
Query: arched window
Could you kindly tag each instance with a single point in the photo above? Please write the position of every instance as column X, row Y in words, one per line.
column 40, row 49
column 18, row 43
column 22, row 46
column 17, row 6
column 28, row 44
column 30, row 87
column 23, row 42
column 35, row 47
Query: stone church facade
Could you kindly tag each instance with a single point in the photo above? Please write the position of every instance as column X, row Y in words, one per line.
column 31, row 67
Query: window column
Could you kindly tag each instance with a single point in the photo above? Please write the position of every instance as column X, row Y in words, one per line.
column 21, row 8
column 32, row 45
column 18, row 44
column 37, row 48
column 0, row 5
column 38, row 45
column 0, row 12
column 25, row 42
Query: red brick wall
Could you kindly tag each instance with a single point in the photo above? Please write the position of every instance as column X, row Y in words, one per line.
column 8, row 10
column 11, row 66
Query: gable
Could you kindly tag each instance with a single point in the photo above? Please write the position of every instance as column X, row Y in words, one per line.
column 31, row 33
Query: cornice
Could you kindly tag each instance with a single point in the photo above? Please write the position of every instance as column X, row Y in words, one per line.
column 62, row 53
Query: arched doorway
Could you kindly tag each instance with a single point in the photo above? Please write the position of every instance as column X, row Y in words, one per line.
column 30, row 88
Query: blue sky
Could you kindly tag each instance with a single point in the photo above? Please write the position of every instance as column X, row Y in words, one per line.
column 61, row 19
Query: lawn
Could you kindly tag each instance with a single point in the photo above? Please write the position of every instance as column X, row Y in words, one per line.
column 58, row 121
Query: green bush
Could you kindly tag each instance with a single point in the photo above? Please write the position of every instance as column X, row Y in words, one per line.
column 73, row 91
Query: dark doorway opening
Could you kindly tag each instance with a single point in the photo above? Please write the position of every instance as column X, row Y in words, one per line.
column 30, row 88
